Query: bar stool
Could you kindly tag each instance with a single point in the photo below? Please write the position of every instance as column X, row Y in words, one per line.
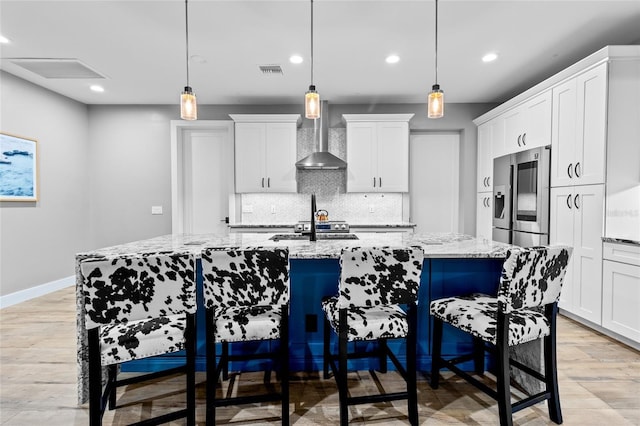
column 373, row 283
column 524, row 310
column 138, row 306
column 246, row 296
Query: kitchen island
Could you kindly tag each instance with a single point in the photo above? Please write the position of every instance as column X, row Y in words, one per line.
column 454, row 264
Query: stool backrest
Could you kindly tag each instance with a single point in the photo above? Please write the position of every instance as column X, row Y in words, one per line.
column 245, row 277
column 126, row 288
column 532, row 277
column 379, row 276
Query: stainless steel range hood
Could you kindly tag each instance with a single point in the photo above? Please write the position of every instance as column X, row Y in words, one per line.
column 321, row 159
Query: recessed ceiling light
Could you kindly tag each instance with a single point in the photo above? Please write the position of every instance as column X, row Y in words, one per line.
column 3, row 39
column 296, row 59
column 490, row 57
column 392, row 59
column 97, row 88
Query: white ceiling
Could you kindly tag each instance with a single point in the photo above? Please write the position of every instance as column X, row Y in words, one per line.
column 139, row 46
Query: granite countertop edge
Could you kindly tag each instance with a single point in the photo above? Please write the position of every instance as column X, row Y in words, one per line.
column 352, row 225
column 435, row 245
column 620, row 241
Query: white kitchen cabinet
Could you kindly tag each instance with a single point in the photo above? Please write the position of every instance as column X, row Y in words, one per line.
column 621, row 290
column 377, row 152
column 485, row 157
column 484, row 218
column 528, row 125
column 265, row 152
column 576, row 221
column 579, row 129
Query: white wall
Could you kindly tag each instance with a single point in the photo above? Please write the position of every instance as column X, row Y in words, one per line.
column 38, row 240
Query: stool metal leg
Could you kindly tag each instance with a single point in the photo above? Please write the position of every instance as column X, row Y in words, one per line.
column 436, row 353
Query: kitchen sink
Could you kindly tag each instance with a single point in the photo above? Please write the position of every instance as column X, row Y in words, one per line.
column 320, row 236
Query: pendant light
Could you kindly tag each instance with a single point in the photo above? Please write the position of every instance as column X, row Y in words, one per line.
column 435, row 101
column 188, row 103
column 311, row 97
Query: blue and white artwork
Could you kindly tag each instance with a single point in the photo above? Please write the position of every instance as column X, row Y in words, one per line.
column 18, row 168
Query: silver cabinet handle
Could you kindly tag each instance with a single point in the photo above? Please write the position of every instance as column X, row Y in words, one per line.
column 575, row 201
column 268, row 182
column 484, row 182
column 263, row 182
column 374, row 181
column 578, row 169
column 519, row 140
column 569, row 201
column 489, row 181
column 569, row 170
column 380, row 182
column 524, row 135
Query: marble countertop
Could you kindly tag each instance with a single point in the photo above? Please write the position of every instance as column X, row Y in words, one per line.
column 435, row 245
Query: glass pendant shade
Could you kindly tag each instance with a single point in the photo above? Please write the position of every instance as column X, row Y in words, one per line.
column 188, row 105
column 435, row 102
column 312, row 103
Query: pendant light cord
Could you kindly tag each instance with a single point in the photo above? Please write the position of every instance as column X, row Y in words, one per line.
column 186, row 17
column 436, row 41
column 311, row 42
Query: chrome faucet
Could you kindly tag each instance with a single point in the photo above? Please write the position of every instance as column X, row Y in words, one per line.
column 312, row 233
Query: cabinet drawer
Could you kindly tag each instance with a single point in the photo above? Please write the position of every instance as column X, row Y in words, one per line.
column 619, row 252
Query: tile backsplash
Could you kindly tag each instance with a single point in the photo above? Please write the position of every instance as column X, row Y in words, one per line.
column 359, row 208
column 330, row 189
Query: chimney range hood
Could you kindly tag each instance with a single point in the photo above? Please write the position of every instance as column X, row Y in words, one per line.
column 321, row 159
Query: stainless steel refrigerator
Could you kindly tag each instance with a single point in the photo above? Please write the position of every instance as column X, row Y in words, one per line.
column 521, row 197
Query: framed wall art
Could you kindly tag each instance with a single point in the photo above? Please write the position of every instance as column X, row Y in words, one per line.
column 18, row 168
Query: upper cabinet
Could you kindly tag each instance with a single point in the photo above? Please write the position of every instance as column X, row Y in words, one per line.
column 579, row 131
column 528, row 125
column 265, row 152
column 377, row 152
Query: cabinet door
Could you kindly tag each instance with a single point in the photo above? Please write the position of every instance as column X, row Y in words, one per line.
column 537, row 121
column 513, row 130
column 393, row 157
column 280, row 168
column 592, row 130
column 587, row 252
column 361, row 157
column 561, row 232
column 485, row 157
column 250, row 145
column 483, row 215
column 621, row 298
column 563, row 133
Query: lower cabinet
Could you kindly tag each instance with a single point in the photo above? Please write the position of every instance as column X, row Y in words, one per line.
column 484, row 218
column 577, row 221
column 621, row 290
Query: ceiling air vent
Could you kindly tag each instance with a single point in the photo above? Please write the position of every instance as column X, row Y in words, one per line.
column 271, row 69
column 57, row 68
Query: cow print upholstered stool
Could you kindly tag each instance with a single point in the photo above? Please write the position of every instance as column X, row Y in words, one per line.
column 246, row 296
column 137, row 307
column 524, row 310
column 373, row 283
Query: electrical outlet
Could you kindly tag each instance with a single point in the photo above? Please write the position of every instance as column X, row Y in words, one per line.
column 248, row 208
column 156, row 209
column 371, row 208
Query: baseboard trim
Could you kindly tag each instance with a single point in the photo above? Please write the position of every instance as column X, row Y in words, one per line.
column 37, row 291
